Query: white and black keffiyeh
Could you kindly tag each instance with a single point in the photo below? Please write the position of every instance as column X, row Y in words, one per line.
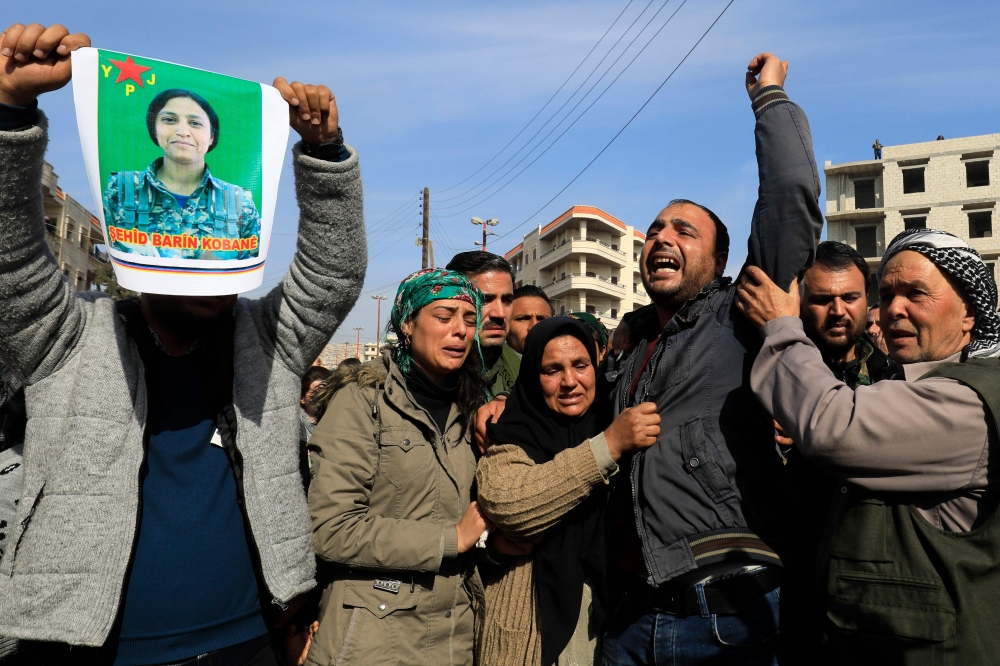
column 961, row 261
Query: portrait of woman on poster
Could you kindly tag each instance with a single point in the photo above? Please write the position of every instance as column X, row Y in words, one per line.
column 177, row 194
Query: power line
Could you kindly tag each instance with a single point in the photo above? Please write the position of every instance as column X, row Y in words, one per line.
column 391, row 217
column 577, row 119
column 650, row 99
column 388, row 247
column 377, row 237
column 556, row 112
column 613, row 23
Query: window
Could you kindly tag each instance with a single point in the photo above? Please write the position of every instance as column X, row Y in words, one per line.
column 977, row 174
column 635, row 256
column 614, row 247
column 591, row 309
column 981, row 224
column 563, row 277
column 590, row 274
column 69, row 231
column 533, row 284
column 534, row 254
column 614, row 313
column 635, row 287
column 916, row 222
column 867, row 246
column 562, row 309
column 614, row 280
column 864, row 193
column 913, row 180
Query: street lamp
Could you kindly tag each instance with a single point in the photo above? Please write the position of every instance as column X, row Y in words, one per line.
column 490, row 222
column 357, row 349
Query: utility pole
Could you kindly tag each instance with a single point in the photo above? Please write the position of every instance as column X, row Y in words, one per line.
column 357, row 349
column 378, row 328
column 425, row 243
column 491, row 222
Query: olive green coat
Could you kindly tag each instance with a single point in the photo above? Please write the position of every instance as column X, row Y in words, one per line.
column 387, row 491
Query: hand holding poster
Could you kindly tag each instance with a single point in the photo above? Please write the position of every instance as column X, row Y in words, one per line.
column 150, row 129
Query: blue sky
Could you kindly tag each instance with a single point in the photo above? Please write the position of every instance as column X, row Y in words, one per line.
column 429, row 91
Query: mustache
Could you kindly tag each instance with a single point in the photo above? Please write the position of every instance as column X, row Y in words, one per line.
column 835, row 321
column 664, row 253
column 901, row 325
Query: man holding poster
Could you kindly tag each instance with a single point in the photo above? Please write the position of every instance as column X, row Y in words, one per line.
column 162, row 518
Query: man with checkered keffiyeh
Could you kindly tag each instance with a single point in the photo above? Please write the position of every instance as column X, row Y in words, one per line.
column 913, row 568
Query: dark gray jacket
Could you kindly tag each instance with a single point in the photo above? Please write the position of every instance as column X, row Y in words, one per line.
column 710, row 488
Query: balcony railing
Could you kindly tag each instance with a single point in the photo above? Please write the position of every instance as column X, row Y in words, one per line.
column 608, row 281
column 581, row 238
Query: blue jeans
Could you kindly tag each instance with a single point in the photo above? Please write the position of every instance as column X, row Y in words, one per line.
column 639, row 636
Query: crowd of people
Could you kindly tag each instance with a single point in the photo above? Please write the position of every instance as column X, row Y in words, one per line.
column 753, row 471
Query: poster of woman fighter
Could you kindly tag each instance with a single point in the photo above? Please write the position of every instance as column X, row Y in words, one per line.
column 184, row 165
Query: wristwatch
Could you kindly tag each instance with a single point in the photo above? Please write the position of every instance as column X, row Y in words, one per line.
column 328, row 150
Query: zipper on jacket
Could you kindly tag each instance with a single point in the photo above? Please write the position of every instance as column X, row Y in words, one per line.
column 634, row 474
column 235, row 457
column 638, row 517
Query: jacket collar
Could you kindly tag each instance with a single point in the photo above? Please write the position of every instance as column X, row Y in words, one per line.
column 400, row 397
column 914, row 371
column 647, row 321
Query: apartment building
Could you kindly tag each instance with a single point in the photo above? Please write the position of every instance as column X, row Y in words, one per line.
column 949, row 184
column 586, row 260
column 72, row 232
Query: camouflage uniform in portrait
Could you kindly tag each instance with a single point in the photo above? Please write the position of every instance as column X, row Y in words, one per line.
column 216, row 209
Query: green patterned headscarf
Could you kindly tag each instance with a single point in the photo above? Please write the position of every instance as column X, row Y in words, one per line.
column 600, row 330
column 422, row 288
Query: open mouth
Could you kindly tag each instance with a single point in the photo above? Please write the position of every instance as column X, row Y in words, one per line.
column 663, row 266
column 454, row 352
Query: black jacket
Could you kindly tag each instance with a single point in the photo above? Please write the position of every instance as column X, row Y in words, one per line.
column 710, row 488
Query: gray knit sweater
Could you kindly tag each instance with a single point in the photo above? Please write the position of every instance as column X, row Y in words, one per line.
column 63, row 568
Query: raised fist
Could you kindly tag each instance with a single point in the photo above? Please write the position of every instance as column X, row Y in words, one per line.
column 766, row 69
column 35, row 60
column 312, row 110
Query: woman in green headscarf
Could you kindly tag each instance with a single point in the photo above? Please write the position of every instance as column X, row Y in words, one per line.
column 599, row 330
column 393, row 469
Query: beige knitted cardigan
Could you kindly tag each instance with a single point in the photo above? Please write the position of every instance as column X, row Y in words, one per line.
column 524, row 499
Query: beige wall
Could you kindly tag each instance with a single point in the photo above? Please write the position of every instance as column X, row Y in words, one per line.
column 72, row 231
column 946, row 200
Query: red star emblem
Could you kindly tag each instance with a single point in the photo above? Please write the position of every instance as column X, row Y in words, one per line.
column 129, row 69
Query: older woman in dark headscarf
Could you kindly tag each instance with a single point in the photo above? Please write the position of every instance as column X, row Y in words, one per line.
column 545, row 481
